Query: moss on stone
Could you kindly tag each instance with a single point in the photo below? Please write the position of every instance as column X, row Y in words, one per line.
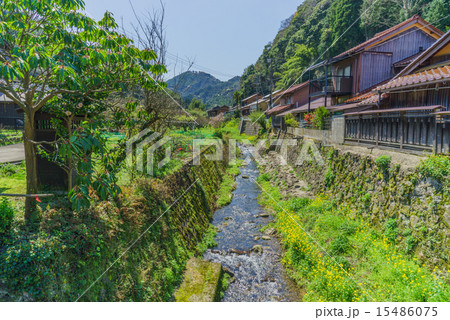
column 202, row 282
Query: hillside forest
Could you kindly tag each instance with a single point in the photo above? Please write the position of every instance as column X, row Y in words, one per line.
column 316, row 31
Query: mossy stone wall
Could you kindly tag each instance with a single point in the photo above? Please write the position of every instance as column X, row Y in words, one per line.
column 418, row 203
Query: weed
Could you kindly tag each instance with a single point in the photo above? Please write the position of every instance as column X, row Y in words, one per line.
column 340, row 245
column 391, row 230
column 329, row 178
column 383, row 162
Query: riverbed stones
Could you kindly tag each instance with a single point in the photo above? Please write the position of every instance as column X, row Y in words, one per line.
column 270, row 231
column 257, row 249
column 245, row 176
column 236, row 251
column 256, row 238
column 265, row 238
column 264, row 215
column 202, row 282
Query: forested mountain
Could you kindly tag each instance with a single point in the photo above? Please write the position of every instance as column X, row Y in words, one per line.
column 317, row 31
column 205, row 87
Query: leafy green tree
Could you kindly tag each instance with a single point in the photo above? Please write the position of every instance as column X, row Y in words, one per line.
column 341, row 31
column 237, row 96
column 438, row 14
column 196, row 104
column 50, row 48
column 379, row 15
column 295, row 66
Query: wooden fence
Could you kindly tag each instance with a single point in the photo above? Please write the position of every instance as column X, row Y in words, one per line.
column 413, row 132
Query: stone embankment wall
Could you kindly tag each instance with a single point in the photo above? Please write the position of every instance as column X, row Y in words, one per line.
column 131, row 249
column 418, row 203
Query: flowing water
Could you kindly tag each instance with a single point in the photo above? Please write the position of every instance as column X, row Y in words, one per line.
column 257, row 276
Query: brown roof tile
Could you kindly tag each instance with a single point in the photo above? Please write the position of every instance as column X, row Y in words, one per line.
column 417, row 79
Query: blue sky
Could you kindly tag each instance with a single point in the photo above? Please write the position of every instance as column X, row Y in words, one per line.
column 222, row 36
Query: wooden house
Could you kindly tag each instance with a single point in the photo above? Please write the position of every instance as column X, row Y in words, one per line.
column 361, row 68
column 248, row 102
column 288, row 100
column 411, row 111
column 216, row 110
column 10, row 115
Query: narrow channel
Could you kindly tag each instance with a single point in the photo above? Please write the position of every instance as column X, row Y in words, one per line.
column 257, row 276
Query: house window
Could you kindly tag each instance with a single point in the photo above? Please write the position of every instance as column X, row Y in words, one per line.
column 347, row 71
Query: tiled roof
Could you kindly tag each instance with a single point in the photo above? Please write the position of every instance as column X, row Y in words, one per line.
column 295, row 88
column 252, row 96
column 347, row 107
column 360, row 97
column 379, row 36
column 420, row 78
column 278, row 109
column 314, row 105
column 372, row 100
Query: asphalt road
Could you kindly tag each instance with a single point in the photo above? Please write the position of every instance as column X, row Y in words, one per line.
column 12, row 153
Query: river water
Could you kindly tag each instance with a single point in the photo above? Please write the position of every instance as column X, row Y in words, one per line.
column 257, row 276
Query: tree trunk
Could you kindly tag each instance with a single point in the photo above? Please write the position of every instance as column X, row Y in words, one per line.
column 31, row 167
column 70, row 160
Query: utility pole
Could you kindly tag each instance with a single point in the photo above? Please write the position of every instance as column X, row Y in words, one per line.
column 269, row 60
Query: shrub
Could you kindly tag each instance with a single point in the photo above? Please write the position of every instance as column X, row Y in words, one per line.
column 264, row 177
column 410, row 243
column 260, row 118
column 296, row 204
column 437, row 167
column 290, row 121
column 391, row 230
column 383, row 162
column 6, row 217
column 329, row 178
column 340, row 245
column 320, row 115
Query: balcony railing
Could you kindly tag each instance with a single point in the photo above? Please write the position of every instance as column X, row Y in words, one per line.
column 331, row 85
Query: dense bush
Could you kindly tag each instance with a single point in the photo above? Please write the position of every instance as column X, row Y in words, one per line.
column 291, row 121
column 437, row 167
column 6, row 217
column 320, row 115
column 383, row 162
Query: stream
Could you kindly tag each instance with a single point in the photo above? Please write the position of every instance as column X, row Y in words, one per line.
column 257, row 276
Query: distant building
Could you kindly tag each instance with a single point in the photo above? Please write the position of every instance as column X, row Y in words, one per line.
column 215, row 111
column 10, row 114
column 248, row 104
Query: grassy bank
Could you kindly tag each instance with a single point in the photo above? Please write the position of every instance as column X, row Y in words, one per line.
column 336, row 256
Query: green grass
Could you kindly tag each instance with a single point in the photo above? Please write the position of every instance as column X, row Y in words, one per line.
column 348, row 260
column 228, row 185
column 208, row 241
column 12, row 178
column 8, row 137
